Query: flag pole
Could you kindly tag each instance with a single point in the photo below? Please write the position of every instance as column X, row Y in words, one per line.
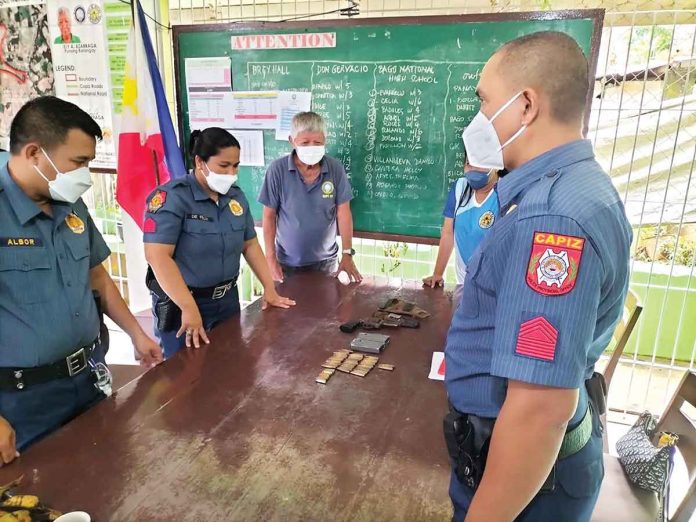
column 156, row 163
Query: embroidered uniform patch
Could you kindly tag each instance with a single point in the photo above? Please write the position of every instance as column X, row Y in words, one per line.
column 21, row 242
column 150, row 226
column 537, row 339
column 198, row 217
column 554, row 263
column 236, row 208
column 327, row 189
column 75, row 223
column 157, row 201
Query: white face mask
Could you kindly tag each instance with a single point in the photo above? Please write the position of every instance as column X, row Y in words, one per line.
column 68, row 186
column 310, row 154
column 483, row 148
column 220, row 183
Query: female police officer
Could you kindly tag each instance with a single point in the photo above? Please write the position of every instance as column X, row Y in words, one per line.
column 195, row 229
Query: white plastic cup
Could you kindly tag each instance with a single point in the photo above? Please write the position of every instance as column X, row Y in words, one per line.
column 74, row 516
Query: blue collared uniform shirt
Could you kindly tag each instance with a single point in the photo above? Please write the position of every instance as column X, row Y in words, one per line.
column 209, row 236
column 546, row 288
column 46, row 306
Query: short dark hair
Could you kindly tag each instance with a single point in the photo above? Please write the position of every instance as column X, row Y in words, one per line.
column 210, row 142
column 554, row 63
column 47, row 120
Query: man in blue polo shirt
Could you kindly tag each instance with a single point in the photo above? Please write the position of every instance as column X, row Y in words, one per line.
column 305, row 195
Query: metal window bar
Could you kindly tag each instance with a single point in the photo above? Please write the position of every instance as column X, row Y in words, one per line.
column 645, row 195
column 654, row 173
column 101, row 202
column 684, row 300
column 622, row 153
column 681, row 222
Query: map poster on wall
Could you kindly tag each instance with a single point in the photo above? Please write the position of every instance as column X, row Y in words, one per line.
column 81, row 67
column 25, row 59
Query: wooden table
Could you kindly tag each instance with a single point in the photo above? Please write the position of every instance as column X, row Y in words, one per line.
column 240, row 431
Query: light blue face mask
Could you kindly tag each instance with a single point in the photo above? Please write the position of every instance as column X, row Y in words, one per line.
column 66, row 186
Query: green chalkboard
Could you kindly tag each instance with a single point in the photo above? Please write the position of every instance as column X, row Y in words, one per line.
column 396, row 94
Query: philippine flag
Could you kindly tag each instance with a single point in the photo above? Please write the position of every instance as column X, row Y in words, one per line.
column 148, row 152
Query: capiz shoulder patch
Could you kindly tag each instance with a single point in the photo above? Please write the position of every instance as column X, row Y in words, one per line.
column 554, row 263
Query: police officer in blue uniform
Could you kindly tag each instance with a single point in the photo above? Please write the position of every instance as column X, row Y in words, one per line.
column 50, row 264
column 195, row 230
column 542, row 297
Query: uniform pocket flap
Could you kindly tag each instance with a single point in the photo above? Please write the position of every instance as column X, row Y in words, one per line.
column 78, row 249
column 196, row 226
column 24, row 261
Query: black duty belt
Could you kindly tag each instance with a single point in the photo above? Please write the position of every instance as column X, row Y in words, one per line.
column 213, row 292
column 72, row 365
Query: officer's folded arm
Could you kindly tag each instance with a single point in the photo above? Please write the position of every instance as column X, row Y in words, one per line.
column 160, row 257
column 117, row 309
column 257, row 261
column 524, row 446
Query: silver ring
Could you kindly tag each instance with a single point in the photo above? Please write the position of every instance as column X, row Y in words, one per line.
column 189, row 332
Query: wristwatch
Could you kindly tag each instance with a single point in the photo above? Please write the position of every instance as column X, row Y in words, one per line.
column 349, row 251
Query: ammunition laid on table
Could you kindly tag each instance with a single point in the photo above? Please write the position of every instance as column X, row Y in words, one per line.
column 332, row 363
column 336, row 359
column 324, row 376
column 365, row 366
column 348, row 366
column 347, row 361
